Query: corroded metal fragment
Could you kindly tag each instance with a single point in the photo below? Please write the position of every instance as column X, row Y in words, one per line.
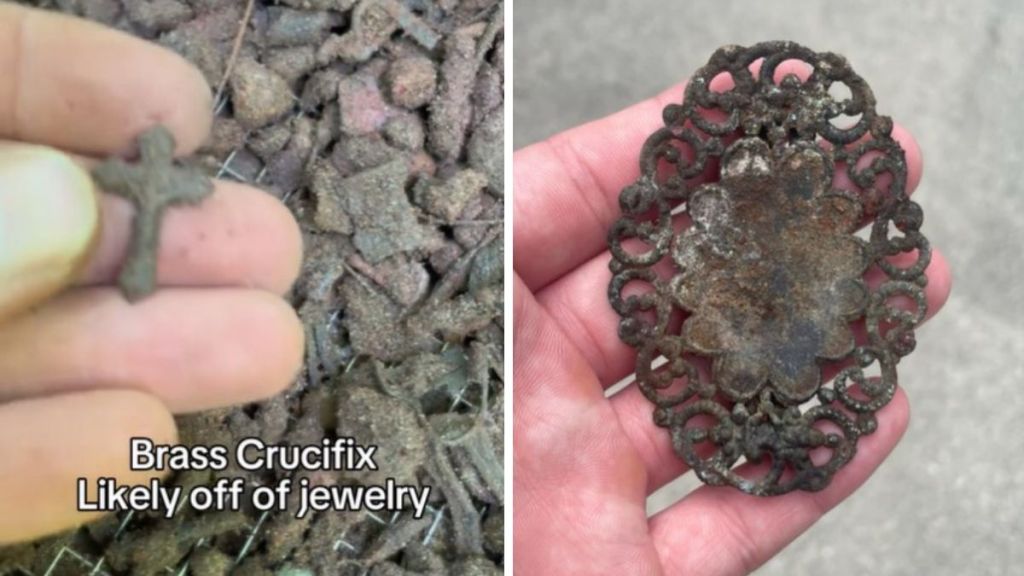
column 762, row 298
column 152, row 185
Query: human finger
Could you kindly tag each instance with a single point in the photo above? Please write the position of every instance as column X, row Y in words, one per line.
column 49, row 222
column 82, row 87
column 51, row 441
column 192, row 349
column 239, row 236
column 569, row 457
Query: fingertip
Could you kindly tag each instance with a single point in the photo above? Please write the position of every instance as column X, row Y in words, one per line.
column 940, row 282
column 92, row 89
column 290, row 345
column 894, row 419
column 192, row 349
column 290, row 246
column 149, row 417
column 278, row 260
column 913, row 154
column 191, row 122
column 905, row 399
column 64, row 438
column 676, row 92
column 49, row 223
column 261, row 353
column 178, row 98
column 270, row 331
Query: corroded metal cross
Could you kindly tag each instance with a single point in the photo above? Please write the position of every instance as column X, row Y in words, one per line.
column 152, row 185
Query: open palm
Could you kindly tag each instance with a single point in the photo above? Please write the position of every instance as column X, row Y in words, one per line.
column 585, row 463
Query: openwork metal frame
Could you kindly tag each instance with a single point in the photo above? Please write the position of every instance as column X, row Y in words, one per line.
column 741, row 318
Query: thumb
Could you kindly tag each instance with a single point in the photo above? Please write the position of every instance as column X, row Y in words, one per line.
column 49, row 221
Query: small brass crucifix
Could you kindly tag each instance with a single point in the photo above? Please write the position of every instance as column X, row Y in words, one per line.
column 151, row 185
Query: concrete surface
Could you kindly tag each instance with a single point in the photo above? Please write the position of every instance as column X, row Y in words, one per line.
column 950, row 500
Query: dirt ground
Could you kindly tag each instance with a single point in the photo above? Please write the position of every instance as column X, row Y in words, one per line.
column 379, row 123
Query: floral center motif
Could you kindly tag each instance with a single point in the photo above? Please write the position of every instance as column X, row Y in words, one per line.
column 770, row 271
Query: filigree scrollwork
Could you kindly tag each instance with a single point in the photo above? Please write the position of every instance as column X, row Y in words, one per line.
column 776, row 173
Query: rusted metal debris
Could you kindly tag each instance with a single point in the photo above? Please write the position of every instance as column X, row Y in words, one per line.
column 760, row 301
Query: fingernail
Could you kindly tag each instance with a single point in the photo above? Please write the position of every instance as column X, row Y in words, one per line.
column 49, row 218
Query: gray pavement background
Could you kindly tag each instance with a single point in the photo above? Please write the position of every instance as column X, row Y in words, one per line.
column 950, row 499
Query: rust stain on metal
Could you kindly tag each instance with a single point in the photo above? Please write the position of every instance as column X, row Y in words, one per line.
column 759, row 298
